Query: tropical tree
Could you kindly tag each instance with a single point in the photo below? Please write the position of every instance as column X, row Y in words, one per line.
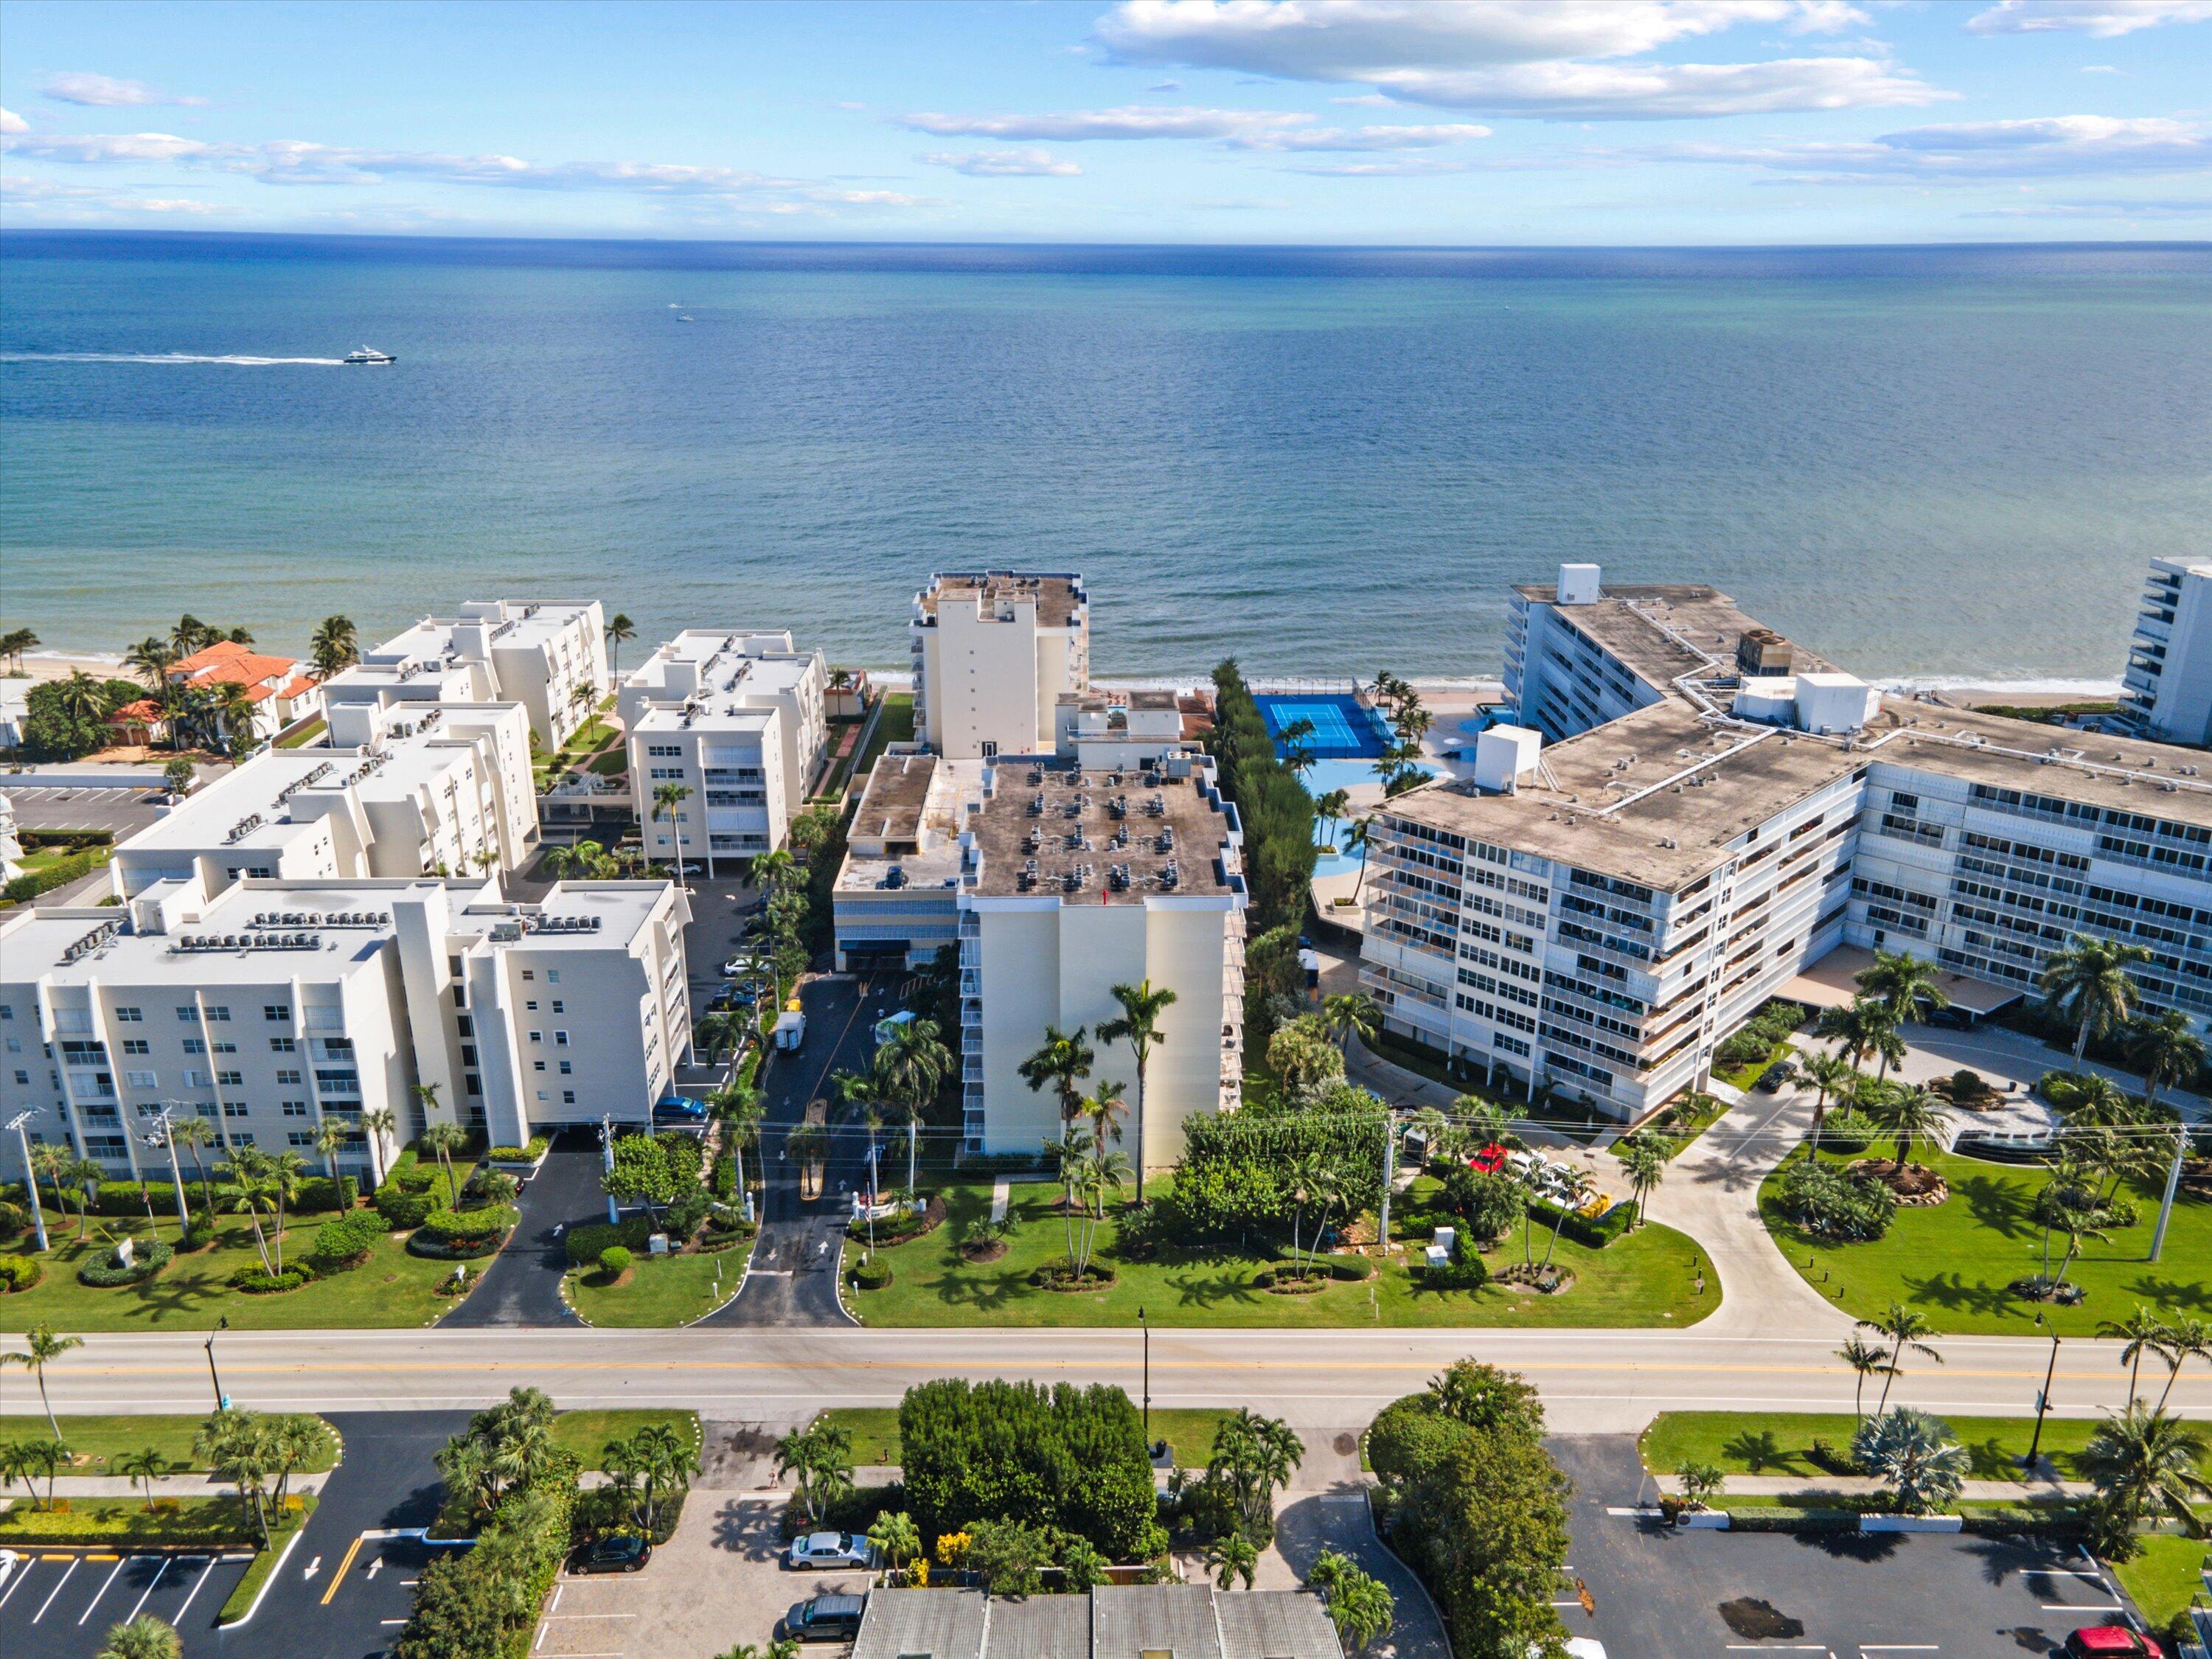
column 2166, row 1050
column 1350, row 1014
column 1139, row 1026
column 1864, row 1359
column 142, row 1468
column 808, row 1142
column 377, row 1126
column 895, row 1537
column 1063, row 1062
column 151, row 660
column 193, row 1133
column 819, row 1459
column 1331, row 808
column 54, row 1162
column 331, row 1140
column 2143, row 1461
column 14, row 643
column 2142, row 1332
column 237, row 1447
column 334, row 646
column 619, row 629
column 85, row 1175
column 667, row 797
column 443, row 1140
column 1864, row 1026
column 190, row 635
column 1254, row 1456
column 663, row 1461
column 41, row 1347
column 1359, row 1605
column 141, row 1637
column 776, row 871
column 1908, row 1116
column 1301, row 1053
column 1231, row 1557
column 1903, row 1327
column 914, row 1064
column 1356, row 839
column 2087, row 981
column 83, row 697
column 2186, row 1338
column 1579, row 1186
column 1830, row 1074
column 1910, row 986
column 1918, row 1454
column 1644, row 1163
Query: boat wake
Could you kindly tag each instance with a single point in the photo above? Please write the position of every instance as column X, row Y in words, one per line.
column 163, row 357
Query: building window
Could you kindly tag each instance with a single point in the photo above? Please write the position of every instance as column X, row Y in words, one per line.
column 560, row 1039
column 300, row 1137
column 468, row 1054
column 567, row 1068
column 143, row 1080
column 275, row 1010
column 128, row 1016
column 472, row 1084
column 194, row 1045
column 537, row 1037
column 219, row 1015
column 553, row 977
column 136, row 1046
column 291, row 1078
column 243, row 1138
column 557, row 1007
column 529, row 974
column 184, row 1013
column 568, row 1096
column 232, row 1109
column 230, row 1079
column 537, row 1064
column 531, row 1006
column 283, row 1045
column 295, row 1109
column 222, row 1047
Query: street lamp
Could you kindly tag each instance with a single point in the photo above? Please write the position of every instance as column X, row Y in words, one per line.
column 2042, row 1405
column 159, row 1136
column 30, row 1175
column 221, row 1400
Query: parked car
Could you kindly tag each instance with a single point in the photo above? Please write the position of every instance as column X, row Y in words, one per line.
column 2105, row 1640
column 740, row 964
column 824, row 1618
column 830, row 1549
column 1776, row 1075
column 624, row 1552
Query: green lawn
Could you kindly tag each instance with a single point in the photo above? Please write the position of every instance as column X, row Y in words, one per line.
column 1954, row 1260
column 130, row 1521
column 95, row 1442
column 306, row 735
column 673, row 1290
column 2164, row 1577
column 894, row 725
column 1778, row 1442
column 874, row 1429
column 1744, row 1076
column 1646, row 1279
column 392, row 1288
column 587, row 1432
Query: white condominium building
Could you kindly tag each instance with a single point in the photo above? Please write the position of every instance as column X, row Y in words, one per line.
column 897, row 896
column 1598, row 914
column 416, row 789
column 1074, row 881
column 544, row 657
column 274, row 1008
column 736, row 719
column 1124, row 729
column 993, row 650
column 2167, row 691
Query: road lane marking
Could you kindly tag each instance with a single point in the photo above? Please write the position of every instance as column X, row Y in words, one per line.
column 339, row 1578
column 102, row 1591
column 207, row 1570
column 148, row 1591
column 17, row 1583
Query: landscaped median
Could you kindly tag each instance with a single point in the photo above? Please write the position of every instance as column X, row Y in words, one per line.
column 956, row 1274
column 873, row 1432
column 102, row 1445
column 1813, row 1446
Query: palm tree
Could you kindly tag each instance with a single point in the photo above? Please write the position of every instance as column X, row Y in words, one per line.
column 1330, row 810
column 192, row 1134
column 190, row 635
column 151, row 660
column 914, row 1064
column 1105, row 1106
column 1356, row 840
column 1830, row 1074
column 444, row 1139
column 1857, row 1027
column 19, row 1460
column 84, row 1176
column 1064, row 1061
column 2087, row 982
column 83, row 697
column 378, row 1126
column 1864, row 1359
column 2186, row 1338
column 41, row 1347
column 2142, row 1459
column 1254, row 1454
column 895, row 1537
column 331, row 1140
column 717, row 1034
column 2166, row 1050
column 1908, row 986
column 238, row 1447
column 1905, row 1327
column 143, row 1468
column 1349, row 1014
column 52, row 1161
column 1645, row 1166
column 667, row 797
column 2143, row 1332
column 1908, row 1115
column 619, row 628
column 807, row 1142
column 819, row 1459
column 775, row 870
column 1359, row 1605
column 283, row 1181
column 14, row 643
column 335, row 646
column 1580, row 1184
column 1139, row 1026
column 1231, row 1557
column 1918, row 1454
column 141, row 1636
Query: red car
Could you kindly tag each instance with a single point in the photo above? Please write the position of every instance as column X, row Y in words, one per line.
column 2111, row 1641
column 1490, row 1160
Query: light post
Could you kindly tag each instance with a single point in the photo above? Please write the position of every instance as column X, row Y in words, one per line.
column 161, row 1136
column 30, row 1175
column 1389, row 1174
column 2166, row 1203
column 2042, row 1405
column 1146, row 1326
column 221, row 1400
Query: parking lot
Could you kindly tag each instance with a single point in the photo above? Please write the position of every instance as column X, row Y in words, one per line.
column 1689, row 1594
column 126, row 812
column 57, row 1604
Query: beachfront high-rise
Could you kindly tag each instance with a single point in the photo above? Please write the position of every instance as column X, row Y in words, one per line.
column 993, row 652
column 1598, row 912
column 735, row 718
column 2166, row 692
column 551, row 658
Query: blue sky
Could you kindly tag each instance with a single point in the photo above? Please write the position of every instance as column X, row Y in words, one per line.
column 1310, row 121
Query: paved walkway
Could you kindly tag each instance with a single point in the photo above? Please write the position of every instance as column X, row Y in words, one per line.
column 195, row 1484
column 1791, row 1485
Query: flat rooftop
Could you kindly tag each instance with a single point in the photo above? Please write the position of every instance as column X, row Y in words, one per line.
column 891, row 806
column 254, row 800
column 921, row 797
column 718, row 651
column 1054, row 829
column 524, row 623
column 1660, row 630
column 1058, row 594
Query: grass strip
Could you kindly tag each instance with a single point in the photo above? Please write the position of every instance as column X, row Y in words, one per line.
column 97, row 1443
column 1779, row 1444
column 585, row 1433
column 240, row 1600
column 211, row 1521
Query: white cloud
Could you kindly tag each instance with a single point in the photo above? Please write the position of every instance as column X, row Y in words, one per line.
column 2047, row 147
column 2104, row 18
column 1006, row 164
column 1360, row 138
column 105, row 91
column 16, row 187
column 1411, row 167
column 2101, row 69
column 293, row 161
column 2109, row 208
column 11, row 122
column 1368, row 101
column 1547, row 58
column 1165, row 86
column 1128, row 121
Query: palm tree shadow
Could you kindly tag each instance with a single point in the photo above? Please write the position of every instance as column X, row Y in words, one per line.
column 1999, row 1206
column 1953, row 1292
column 1197, row 1291
column 2196, row 1295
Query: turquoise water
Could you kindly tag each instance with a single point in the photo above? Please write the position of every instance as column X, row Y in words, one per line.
column 1920, row 462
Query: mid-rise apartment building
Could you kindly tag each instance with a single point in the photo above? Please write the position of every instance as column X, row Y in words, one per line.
column 550, row 658
column 273, row 1007
column 1720, row 810
column 897, row 896
column 2166, row 692
column 993, row 652
column 1073, row 882
column 413, row 789
column 736, row 719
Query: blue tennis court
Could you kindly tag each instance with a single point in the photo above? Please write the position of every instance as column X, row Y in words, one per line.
column 1344, row 729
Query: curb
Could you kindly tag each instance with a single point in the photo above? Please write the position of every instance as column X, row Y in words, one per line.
column 262, row 1595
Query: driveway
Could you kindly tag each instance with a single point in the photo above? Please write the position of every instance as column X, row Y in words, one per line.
column 522, row 1285
column 792, row 1279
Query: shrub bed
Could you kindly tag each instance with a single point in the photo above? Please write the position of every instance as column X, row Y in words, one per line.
column 347, row 1242
column 198, row 1237
column 872, row 1275
column 1848, row 1132
column 1060, row 1276
column 401, row 1209
column 255, row 1281
column 106, row 1274
column 493, row 1221
column 529, row 1154
column 1468, row 1273
column 314, row 1196
column 1823, row 1200
column 20, row 1272
column 584, row 1243
column 1596, row 1234
column 913, row 1227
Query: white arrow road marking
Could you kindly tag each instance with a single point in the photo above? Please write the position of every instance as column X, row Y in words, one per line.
column 375, row 1566
column 312, row 1568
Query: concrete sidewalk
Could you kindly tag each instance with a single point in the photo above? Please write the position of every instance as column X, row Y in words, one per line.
column 195, row 1485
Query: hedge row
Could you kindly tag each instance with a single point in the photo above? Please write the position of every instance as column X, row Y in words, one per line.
column 255, row 1281
column 529, row 1154
column 493, row 1221
column 1347, row 1269
column 402, row 1210
column 1595, row 1235
column 586, row 1243
column 347, row 1242
column 25, row 887
column 75, row 840
column 313, row 1195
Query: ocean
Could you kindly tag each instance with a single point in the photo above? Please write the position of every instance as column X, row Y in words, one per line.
column 1929, row 463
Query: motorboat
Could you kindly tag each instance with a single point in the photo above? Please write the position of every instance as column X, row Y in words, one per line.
column 370, row 354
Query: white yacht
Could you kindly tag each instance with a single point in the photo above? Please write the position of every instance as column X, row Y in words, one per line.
column 370, row 354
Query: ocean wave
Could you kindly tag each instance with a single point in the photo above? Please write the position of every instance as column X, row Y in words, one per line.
column 1997, row 684
column 236, row 362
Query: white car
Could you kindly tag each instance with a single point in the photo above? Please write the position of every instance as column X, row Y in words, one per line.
column 830, row 1549
column 10, row 1561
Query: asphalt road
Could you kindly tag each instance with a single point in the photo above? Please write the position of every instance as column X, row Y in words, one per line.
column 522, row 1285
column 792, row 1279
column 1593, row 1382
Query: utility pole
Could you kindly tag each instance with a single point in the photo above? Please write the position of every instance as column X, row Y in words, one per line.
column 161, row 1137
column 1389, row 1175
column 607, row 1163
column 2172, row 1181
column 30, row 1175
column 221, row 1400
column 2042, row 1405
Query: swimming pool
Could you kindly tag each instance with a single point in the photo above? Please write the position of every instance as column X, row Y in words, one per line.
column 1344, row 728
